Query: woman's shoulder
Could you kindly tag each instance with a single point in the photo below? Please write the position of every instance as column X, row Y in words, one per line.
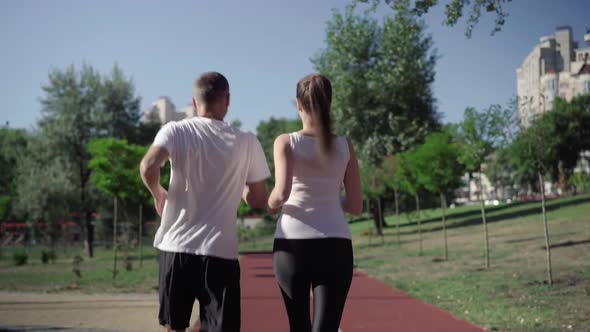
column 283, row 139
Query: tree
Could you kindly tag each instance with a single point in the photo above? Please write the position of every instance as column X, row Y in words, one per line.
column 409, row 183
column 533, row 152
column 439, row 170
column 268, row 131
column 580, row 180
column 236, row 123
column 79, row 106
column 120, row 106
column 456, row 9
column 44, row 191
column 571, row 121
column 373, row 187
column 12, row 144
column 382, row 77
column 393, row 181
column 480, row 134
column 70, row 119
column 114, row 164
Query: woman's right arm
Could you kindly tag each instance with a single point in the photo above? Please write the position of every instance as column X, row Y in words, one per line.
column 283, row 159
column 353, row 202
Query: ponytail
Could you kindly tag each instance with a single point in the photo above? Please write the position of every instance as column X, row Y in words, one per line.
column 315, row 94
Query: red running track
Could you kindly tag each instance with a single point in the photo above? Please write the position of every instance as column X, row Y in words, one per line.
column 371, row 306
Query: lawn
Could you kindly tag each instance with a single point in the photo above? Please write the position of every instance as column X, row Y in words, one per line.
column 96, row 273
column 510, row 296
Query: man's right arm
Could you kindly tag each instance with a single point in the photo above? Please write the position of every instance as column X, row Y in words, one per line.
column 150, row 174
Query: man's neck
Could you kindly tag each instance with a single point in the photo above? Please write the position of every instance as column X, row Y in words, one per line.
column 212, row 116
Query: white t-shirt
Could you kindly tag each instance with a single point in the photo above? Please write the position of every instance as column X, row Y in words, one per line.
column 314, row 209
column 211, row 162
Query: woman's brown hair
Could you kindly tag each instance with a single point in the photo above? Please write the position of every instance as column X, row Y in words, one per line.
column 314, row 92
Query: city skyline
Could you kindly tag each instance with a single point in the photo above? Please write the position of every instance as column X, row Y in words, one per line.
column 263, row 65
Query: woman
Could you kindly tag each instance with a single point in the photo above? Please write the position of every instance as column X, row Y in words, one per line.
column 312, row 247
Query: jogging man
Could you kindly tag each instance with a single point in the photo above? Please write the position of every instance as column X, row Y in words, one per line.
column 213, row 165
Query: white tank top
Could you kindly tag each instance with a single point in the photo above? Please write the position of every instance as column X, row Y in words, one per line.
column 314, row 209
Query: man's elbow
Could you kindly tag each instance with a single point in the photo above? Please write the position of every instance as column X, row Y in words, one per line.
column 143, row 168
column 258, row 200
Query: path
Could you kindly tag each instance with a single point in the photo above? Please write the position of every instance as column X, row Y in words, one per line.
column 371, row 306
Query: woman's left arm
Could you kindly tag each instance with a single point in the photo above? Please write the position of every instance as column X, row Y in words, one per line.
column 283, row 158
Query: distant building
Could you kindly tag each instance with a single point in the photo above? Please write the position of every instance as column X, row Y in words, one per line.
column 556, row 67
column 163, row 111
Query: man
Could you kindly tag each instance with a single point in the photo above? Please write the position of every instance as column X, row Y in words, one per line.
column 213, row 165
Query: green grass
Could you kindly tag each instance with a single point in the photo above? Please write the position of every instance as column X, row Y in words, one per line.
column 96, row 272
column 511, row 295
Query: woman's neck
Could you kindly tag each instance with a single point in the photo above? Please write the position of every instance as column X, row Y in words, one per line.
column 309, row 129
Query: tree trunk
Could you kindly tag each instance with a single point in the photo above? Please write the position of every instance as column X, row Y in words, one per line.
column 419, row 221
column 140, row 240
column 484, row 221
column 89, row 234
column 382, row 213
column 443, row 204
column 88, row 227
column 377, row 218
column 381, row 219
column 547, row 246
column 115, row 238
column 395, row 197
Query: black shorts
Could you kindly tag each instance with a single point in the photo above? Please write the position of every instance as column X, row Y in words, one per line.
column 213, row 281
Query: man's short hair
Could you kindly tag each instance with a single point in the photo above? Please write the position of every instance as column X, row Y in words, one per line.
column 210, row 88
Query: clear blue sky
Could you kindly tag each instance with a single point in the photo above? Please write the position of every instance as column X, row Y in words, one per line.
column 263, row 47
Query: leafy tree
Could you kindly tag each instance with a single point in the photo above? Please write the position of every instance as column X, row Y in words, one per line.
column 480, row 134
column 114, row 163
column 393, row 181
column 439, row 170
column 381, row 76
column 45, row 192
column 236, row 123
column 571, row 122
column 120, row 106
column 12, row 144
column 456, row 9
column 373, row 187
column 77, row 107
column 498, row 170
column 533, row 152
column 70, row 119
column 407, row 172
column 268, row 131
column 580, row 180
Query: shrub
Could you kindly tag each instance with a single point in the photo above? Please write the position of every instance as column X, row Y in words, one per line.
column 48, row 256
column 76, row 262
column 51, row 255
column 20, row 258
column 44, row 257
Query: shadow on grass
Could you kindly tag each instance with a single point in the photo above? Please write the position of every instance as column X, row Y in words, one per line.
column 566, row 244
column 474, row 217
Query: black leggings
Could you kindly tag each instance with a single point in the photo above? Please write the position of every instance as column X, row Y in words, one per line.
column 322, row 264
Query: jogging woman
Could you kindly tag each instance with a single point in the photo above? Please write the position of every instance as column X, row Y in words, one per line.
column 312, row 247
